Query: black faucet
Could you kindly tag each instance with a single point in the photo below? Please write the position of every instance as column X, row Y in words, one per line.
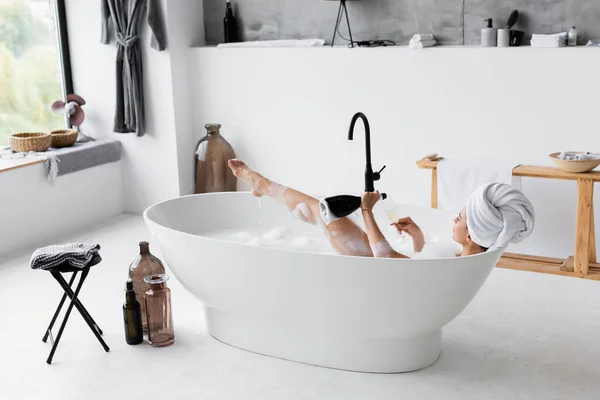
column 370, row 176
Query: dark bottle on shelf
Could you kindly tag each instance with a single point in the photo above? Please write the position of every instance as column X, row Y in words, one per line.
column 132, row 316
column 230, row 25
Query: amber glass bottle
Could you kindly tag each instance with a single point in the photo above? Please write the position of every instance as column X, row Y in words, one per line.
column 212, row 154
column 144, row 264
column 158, row 310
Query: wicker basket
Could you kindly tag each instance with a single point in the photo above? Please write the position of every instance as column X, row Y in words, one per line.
column 30, row 141
column 574, row 165
column 64, row 138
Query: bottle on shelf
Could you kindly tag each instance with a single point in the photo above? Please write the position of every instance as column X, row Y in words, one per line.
column 230, row 25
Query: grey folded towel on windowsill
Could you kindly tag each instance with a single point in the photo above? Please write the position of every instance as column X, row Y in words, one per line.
column 76, row 255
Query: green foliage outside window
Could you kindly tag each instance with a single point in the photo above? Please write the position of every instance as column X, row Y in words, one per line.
column 29, row 68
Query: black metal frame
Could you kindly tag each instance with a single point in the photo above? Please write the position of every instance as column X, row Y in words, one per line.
column 73, row 296
column 62, row 35
column 342, row 9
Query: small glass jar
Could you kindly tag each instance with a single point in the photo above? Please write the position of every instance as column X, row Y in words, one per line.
column 158, row 311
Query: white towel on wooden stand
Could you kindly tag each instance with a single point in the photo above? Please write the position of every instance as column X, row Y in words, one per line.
column 458, row 179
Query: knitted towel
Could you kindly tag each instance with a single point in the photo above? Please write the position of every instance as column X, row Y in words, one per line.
column 74, row 254
column 50, row 160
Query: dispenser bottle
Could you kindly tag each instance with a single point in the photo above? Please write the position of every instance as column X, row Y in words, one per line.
column 572, row 37
column 132, row 316
column 488, row 35
column 212, row 154
column 230, row 25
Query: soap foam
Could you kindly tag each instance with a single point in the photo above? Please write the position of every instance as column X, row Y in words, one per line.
column 277, row 191
column 274, row 234
column 315, row 242
column 382, row 249
column 303, row 213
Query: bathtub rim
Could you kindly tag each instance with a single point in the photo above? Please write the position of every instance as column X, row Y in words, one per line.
column 148, row 219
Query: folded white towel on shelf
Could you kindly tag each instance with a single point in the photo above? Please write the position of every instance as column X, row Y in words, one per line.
column 413, row 44
column 560, row 35
column 551, row 40
column 423, row 37
column 548, row 45
column 498, row 215
column 565, row 155
column 276, row 43
column 458, row 179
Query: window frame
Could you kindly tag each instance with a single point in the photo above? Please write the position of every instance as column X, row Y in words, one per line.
column 62, row 36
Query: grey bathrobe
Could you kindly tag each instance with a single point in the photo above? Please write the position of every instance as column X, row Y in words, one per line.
column 127, row 17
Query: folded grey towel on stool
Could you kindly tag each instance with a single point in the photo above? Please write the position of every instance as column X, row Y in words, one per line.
column 73, row 254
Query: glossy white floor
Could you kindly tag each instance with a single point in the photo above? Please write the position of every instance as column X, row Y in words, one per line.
column 525, row 335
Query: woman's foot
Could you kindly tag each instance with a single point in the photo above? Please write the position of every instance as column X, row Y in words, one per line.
column 260, row 184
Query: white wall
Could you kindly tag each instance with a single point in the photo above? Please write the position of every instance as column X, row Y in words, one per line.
column 184, row 32
column 36, row 212
column 150, row 171
column 287, row 111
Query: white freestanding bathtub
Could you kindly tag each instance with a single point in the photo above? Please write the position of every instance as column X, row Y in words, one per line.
column 351, row 313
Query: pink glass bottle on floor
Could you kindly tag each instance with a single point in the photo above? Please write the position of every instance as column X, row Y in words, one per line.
column 158, row 311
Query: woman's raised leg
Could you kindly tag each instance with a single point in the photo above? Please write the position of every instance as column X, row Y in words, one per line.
column 345, row 236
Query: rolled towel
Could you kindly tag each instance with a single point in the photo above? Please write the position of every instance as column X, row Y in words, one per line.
column 498, row 214
column 413, row 44
column 578, row 156
column 423, row 37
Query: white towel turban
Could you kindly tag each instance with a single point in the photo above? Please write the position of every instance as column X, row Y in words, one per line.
column 498, row 214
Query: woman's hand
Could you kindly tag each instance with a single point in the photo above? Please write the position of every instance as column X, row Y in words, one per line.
column 369, row 199
column 408, row 225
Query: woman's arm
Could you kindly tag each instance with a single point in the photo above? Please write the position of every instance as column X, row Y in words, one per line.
column 379, row 244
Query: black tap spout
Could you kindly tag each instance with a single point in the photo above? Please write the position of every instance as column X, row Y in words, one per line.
column 370, row 176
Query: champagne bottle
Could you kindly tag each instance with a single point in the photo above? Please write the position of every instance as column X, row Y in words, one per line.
column 340, row 206
column 132, row 317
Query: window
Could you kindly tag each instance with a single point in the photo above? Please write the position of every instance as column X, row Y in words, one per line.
column 34, row 65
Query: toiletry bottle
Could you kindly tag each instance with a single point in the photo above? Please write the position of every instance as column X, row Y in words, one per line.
column 144, row 264
column 572, row 38
column 503, row 37
column 230, row 25
column 488, row 35
column 158, row 310
column 212, row 154
column 132, row 316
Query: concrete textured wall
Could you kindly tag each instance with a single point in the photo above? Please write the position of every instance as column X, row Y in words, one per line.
column 453, row 22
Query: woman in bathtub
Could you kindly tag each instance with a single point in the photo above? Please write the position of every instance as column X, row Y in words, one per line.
column 496, row 215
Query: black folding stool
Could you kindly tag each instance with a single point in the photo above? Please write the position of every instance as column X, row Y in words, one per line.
column 73, row 296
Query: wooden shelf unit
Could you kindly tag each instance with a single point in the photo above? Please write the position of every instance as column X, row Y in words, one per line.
column 583, row 263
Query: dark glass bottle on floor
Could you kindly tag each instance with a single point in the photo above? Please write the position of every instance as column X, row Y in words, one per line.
column 132, row 316
column 230, row 25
